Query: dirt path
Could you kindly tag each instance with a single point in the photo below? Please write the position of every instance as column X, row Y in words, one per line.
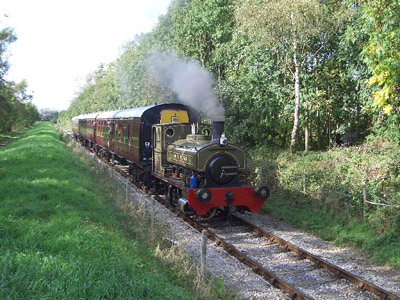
column 6, row 141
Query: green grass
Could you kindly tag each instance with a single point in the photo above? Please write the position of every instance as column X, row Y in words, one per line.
column 340, row 228
column 61, row 234
column 321, row 192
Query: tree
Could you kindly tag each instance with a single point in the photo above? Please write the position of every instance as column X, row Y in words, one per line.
column 297, row 30
column 254, row 94
column 7, row 36
column 201, row 27
column 99, row 92
column 380, row 20
column 32, row 113
column 6, row 106
column 20, row 111
column 16, row 109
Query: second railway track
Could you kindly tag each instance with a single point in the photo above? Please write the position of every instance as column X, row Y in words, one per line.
column 300, row 274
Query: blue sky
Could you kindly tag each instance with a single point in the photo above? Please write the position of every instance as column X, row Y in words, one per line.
column 60, row 42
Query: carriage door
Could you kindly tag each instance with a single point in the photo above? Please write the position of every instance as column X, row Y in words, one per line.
column 157, row 150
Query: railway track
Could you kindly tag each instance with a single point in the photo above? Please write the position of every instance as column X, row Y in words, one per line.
column 318, row 278
column 300, row 274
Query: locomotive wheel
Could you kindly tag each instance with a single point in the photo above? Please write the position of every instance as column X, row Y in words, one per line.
column 147, row 178
column 130, row 170
column 211, row 214
column 172, row 195
column 160, row 187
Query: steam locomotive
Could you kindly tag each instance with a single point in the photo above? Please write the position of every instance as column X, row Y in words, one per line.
column 168, row 148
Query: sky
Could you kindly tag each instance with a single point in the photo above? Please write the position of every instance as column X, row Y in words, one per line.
column 61, row 41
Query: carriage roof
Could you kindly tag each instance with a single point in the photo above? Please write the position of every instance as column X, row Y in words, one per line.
column 136, row 112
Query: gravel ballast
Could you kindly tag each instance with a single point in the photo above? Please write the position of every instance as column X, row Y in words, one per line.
column 347, row 259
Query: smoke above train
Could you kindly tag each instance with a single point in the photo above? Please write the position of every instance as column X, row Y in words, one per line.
column 192, row 84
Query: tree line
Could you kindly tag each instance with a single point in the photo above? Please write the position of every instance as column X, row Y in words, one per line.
column 16, row 109
column 304, row 74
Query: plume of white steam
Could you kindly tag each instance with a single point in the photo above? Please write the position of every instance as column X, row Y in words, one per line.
column 189, row 81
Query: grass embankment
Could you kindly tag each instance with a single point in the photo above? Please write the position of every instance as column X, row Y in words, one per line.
column 62, row 236
column 322, row 192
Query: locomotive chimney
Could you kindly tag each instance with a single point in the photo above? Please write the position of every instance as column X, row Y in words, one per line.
column 217, row 130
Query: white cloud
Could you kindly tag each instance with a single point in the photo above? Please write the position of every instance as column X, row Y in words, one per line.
column 60, row 42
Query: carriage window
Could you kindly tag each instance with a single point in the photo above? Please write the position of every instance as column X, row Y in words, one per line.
column 125, row 133
column 109, row 130
column 116, row 135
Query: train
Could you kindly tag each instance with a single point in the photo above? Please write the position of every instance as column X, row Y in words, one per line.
column 170, row 150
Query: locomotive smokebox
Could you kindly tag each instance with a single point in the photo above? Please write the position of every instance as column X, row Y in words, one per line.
column 217, row 130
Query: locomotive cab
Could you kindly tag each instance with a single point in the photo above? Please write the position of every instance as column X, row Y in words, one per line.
column 197, row 148
column 187, row 137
